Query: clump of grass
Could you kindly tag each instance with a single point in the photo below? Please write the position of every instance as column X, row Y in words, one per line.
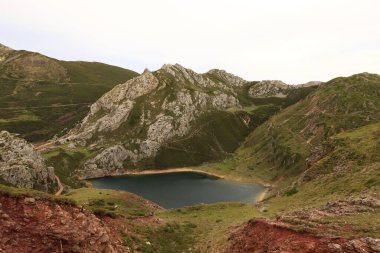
column 291, row 192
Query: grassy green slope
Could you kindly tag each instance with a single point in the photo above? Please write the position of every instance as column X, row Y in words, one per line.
column 278, row 149
column 349, row 165
column 46, row 95
column 322, row 149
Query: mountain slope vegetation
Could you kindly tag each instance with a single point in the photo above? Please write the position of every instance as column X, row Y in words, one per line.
column 315, row 146
column 41, row 96
column 285, row 145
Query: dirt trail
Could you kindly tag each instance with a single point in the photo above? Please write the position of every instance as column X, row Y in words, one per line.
column 60, row 186
column 44, row 145
column 41, row 107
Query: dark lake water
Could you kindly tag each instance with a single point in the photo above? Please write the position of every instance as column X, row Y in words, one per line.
column 174, row 190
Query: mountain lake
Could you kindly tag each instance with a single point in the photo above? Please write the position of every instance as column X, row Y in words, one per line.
column 179, row 189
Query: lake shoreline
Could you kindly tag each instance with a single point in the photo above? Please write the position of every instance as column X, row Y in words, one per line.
column 168, row 187
column 173, row 170
column 259, row 198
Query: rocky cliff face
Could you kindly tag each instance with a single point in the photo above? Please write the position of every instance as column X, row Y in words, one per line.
column 132, row 121
column 22, row 166
column 269, row 88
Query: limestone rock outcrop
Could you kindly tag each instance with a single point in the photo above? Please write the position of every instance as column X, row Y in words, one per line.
column 22, row 166
column 276, row 88
column 269, row 88
column 135, row 119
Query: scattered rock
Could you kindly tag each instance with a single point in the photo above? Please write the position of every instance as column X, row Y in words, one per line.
column 29, row 200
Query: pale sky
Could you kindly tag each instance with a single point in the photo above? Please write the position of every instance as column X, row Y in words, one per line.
column 291, row 40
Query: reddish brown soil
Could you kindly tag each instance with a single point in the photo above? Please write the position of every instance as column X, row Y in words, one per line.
column 46, row 225
column 260, row 236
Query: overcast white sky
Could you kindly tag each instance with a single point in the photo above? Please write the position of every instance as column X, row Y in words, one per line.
column 291, row 40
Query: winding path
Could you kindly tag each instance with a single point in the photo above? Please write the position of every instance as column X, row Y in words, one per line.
column 60, row 186
column 44, row 145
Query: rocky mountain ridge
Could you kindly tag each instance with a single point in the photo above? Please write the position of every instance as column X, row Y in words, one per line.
column 171, row 99
column 276, row 88
column 144, row 119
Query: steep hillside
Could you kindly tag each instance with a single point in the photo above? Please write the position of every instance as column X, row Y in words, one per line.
column 286, row 145
column 170, row 117
column 321, row 158
column 41, row 96
column 22, row 166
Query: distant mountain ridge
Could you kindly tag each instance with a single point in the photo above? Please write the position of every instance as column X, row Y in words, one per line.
column 41, row 96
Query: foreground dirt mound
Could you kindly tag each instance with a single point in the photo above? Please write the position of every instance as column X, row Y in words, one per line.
column 44, row 225
column 260, row 236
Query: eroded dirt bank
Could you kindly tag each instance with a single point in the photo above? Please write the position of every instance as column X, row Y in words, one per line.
column 36, row 224
column 262, row 236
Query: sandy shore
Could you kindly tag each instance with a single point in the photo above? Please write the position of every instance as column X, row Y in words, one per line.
column 152, row 172
column 262, row 195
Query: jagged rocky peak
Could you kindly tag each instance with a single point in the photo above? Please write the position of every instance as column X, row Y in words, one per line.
column 114, row 107
column 227, row 77
column 146, row 70
column 180, row 73
column 175, row 66
column 22, row 166
column 213, row 78
column 269, row 88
